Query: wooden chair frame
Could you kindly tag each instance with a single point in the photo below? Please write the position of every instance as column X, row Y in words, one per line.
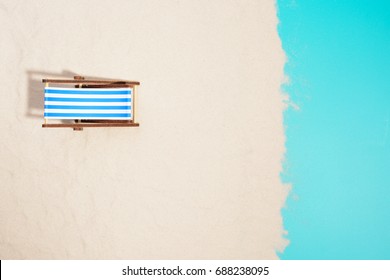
column 81, row 82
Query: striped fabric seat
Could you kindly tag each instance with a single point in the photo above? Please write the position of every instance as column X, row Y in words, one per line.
column 88, row 103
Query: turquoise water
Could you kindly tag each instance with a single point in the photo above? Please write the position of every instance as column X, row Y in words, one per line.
column 338, row 142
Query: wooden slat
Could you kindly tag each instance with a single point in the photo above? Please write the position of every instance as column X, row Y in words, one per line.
column 67, row 81
column 134, row 101
column 81, row 125
column 108, row 85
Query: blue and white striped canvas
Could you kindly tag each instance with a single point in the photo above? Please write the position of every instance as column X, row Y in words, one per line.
column 88, row 103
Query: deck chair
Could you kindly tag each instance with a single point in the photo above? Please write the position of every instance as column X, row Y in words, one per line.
column 89, row 103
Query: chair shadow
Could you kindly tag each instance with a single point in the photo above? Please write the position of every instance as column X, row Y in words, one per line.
column 35, row 90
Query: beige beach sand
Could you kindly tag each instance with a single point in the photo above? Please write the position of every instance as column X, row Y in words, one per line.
column 199, row 179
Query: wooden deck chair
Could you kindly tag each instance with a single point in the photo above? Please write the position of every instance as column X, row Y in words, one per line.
column 90, row 103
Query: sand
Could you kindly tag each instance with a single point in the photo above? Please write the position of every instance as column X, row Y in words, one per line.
column 199, row 179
